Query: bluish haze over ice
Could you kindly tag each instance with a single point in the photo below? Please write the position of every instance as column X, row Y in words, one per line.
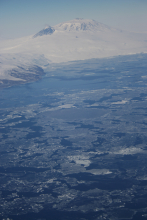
column 74, row 145
column 22, row 18
column 73, row 110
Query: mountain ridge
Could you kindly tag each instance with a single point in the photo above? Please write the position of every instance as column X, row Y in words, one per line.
column 78, row 24
column 49, row 30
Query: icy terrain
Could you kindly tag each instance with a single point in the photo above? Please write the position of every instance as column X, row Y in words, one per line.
column 78, row 39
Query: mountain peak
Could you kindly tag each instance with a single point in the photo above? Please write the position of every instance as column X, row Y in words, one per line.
column 80, row 24
column 77, row 24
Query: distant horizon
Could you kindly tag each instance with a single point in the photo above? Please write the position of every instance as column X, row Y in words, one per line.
column 24, row 18
column 47, row 25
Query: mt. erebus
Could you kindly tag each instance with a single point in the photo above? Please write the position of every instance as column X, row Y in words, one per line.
column 77, row 39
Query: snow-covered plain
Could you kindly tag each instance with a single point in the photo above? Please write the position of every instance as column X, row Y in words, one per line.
column 77, row 39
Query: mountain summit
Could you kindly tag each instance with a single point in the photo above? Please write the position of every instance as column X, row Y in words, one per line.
column 78, row 24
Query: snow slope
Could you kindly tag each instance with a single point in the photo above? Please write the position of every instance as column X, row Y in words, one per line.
column 77, row 39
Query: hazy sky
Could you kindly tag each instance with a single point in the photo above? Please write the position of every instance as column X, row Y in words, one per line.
column 26, row 17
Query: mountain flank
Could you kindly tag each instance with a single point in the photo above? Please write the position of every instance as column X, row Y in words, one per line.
column 78, row 39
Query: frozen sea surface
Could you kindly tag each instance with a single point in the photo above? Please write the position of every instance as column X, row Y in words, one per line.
column 73, row 145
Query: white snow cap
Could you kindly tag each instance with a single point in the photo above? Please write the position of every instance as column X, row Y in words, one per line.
column 80, row 24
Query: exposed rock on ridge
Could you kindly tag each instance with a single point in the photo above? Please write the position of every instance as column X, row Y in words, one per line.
column 80, row 24
column 45, row 31
column 77, row 24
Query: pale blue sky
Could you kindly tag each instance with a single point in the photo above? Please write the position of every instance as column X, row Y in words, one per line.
column 20, row 18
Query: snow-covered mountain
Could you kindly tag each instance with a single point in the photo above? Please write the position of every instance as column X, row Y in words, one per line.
column 77, row 25
column 77, row 39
